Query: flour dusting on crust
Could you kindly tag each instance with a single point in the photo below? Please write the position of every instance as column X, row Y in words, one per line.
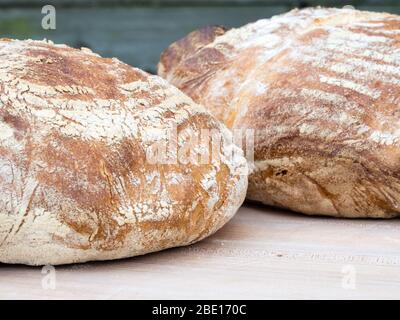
column 75, row 182
column 317, row 84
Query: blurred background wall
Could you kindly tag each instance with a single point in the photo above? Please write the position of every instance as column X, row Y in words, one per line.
column 136, row 31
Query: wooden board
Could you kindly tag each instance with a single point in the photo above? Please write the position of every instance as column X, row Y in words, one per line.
column 262, row 253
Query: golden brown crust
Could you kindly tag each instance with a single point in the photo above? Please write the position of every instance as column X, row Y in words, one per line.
column 75, row 178
column 320, row 87
column 185, row 48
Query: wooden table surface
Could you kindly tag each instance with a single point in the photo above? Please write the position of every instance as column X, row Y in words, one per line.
column 262, row 253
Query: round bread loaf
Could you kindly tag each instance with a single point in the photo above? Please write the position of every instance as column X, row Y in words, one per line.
column 76, row 180
column 321, row 90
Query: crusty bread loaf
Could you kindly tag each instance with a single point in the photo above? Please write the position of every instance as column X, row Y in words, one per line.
column 76, row 183
column 321, row 88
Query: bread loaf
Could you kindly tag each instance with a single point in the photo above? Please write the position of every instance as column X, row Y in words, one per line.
column 76, row 180
column 321, row 89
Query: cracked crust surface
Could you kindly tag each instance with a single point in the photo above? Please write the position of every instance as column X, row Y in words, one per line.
column 321, row 89
column 75, row 181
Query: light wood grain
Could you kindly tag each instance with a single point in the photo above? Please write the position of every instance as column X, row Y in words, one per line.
column 262, row 253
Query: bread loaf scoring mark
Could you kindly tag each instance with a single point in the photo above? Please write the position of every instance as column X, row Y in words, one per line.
column 72, row 76
column 173, row 55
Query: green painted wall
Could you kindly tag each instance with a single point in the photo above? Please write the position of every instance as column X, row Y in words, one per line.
column 136, row 31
